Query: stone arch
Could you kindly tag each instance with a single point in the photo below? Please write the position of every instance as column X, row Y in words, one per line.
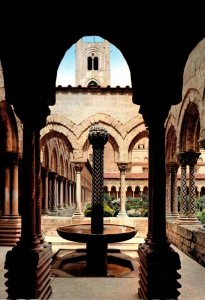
column 190, row 129
column 8, row 129
column 138, row 136
column 63, row 126
column 58, row 137
column 171, row 144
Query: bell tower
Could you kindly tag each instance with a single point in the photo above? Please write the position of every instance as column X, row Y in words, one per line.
column 92, row 63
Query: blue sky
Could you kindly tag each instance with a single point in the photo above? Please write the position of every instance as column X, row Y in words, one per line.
column 119, row 70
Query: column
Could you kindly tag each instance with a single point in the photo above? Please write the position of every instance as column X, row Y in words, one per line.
column 78, row 214
column 65, row 193
column 45, row 209
column 15, row 189
column 53, row 191
column 70, row 193
column 7, row 191
column 168, row 190
column 182, row 158
column 60, row 192
column 122, row 168
column 192, row 160
column 30, row 260
column 98, row 137
column 175, row 213
column 158, row 262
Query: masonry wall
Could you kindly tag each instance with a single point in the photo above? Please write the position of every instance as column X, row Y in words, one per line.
column 190, row 239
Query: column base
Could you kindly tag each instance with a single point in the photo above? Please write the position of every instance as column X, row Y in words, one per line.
column 158, row 273
column 188, row 220
column 78, row 215
column 122, row 215
column 45, row 211
column 10, row 230
column 28, row 275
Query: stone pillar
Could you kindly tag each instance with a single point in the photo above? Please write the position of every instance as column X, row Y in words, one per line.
column 78, row 214
column 175, row 213
column 98, row 137
column 38, row 186
column 45, row 209
column 7, row 189
column 70, row 193
column 158, row 262
column 53, row 176
column 60, row 192
column 192, row 160
column 182, row 158
column 66, row 193
column 168, row 191
column 122, row 168
column 10, row 221
column 30, row 260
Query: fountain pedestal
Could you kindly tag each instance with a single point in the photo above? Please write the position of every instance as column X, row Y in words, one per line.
column 96, row 244
column 97, row 235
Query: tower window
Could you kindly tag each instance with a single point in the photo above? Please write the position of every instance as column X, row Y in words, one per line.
column 95, row 63
column 92, row 63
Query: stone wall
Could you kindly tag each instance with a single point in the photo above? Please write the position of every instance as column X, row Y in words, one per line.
column 190, row 239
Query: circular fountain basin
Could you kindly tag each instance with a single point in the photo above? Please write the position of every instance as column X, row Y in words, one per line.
column 111, row 233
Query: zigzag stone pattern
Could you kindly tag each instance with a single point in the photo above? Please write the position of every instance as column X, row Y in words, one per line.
column 98, row 137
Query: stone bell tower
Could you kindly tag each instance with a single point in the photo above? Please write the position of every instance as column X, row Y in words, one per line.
column 92, row 63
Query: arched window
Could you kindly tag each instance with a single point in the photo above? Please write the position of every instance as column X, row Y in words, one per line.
column 95, row 63
column 90, row 63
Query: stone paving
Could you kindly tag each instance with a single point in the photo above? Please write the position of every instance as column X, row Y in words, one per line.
column 76, row 288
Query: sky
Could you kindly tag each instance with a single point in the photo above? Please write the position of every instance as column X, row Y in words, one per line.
column 119, row 70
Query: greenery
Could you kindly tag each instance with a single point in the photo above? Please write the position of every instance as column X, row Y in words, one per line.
column 135, row 207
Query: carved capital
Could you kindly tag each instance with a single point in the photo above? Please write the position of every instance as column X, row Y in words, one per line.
column 122, row 166
column 98, row 136
column 188, row 158
column 78, row 166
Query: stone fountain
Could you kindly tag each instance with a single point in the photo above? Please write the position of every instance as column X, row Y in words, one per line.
column 97, row 235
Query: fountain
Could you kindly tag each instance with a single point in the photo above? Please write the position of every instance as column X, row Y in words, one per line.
column 97, row 235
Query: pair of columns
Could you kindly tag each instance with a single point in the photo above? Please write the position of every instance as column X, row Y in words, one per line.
column 171, row 190
column 187, row 204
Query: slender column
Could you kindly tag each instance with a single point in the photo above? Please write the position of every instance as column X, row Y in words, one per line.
column 182, row 158
column 168, row 190
column 70, row 193
column 192, row 160
column 66, row 192
column 46, row 190
column 14, row 196
column 54, row 191
column 60, row 192
column 38, row 189
column 98, row 137
column 78, row 211
column 7, row 191
column 122, row 167
column 174, row 193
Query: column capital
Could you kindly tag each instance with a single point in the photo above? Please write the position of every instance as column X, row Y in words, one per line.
column 78, row 165
column 98, row 136
column 53, row 174
column 122, row 166
column 44, row 171
column 9, row 158
column 188, row 158
column 172, row 166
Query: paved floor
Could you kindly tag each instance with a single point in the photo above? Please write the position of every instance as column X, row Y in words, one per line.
column 192, row 281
